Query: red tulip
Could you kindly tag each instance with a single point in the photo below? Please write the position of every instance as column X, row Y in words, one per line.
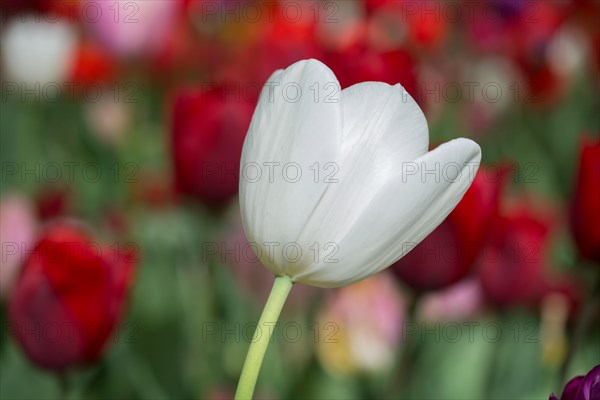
column 543, row 85
column 92, row 65
column 428, row 30
column 585, row 204
column 282, row 42
column 512, row 263
column 362, row 64
column 69, row 297
column 208, row 133
column 449, row 252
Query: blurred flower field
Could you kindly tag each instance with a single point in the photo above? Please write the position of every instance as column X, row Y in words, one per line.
column 126, row 273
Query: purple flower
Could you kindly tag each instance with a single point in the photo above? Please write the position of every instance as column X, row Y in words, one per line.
column 582, row 387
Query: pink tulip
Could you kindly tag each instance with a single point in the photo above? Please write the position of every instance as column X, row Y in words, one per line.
column 360, row 326
column 461, row 301
column 131, row 28
column 18, row 225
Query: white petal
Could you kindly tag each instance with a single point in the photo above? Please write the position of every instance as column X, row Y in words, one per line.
column 385, row 119
column 383, row 127
column 400, row 215
column 298, row 120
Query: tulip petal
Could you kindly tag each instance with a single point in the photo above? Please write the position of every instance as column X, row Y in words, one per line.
column 297, row 123
column 385, row 119
column 383, row 127
column 399, row 215
column 572, row 388
column 589, row 387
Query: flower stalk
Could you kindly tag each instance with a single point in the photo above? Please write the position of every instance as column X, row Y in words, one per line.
column 260, row 340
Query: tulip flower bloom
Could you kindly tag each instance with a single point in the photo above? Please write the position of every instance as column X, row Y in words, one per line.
column 585, row 205
column 133, row 28
column 208, row 135
column 69, row 297
column 38, row 52
column 351, row 185
column 582, row 387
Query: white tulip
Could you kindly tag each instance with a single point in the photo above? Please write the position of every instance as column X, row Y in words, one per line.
column 38, row 51
column 387, row 194
column 337, row 185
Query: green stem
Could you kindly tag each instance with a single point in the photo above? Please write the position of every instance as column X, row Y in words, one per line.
column 258, row 347
column 63, row 385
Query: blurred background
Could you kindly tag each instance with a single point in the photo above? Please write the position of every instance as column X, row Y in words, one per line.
column 125, row 270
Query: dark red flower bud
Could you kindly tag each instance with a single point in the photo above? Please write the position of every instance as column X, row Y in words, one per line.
column 585, row 204
column 36, row 7
column 449, row 252
column 54, row 201
column 70, row 295
column 209, row 128
column 512, row 263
